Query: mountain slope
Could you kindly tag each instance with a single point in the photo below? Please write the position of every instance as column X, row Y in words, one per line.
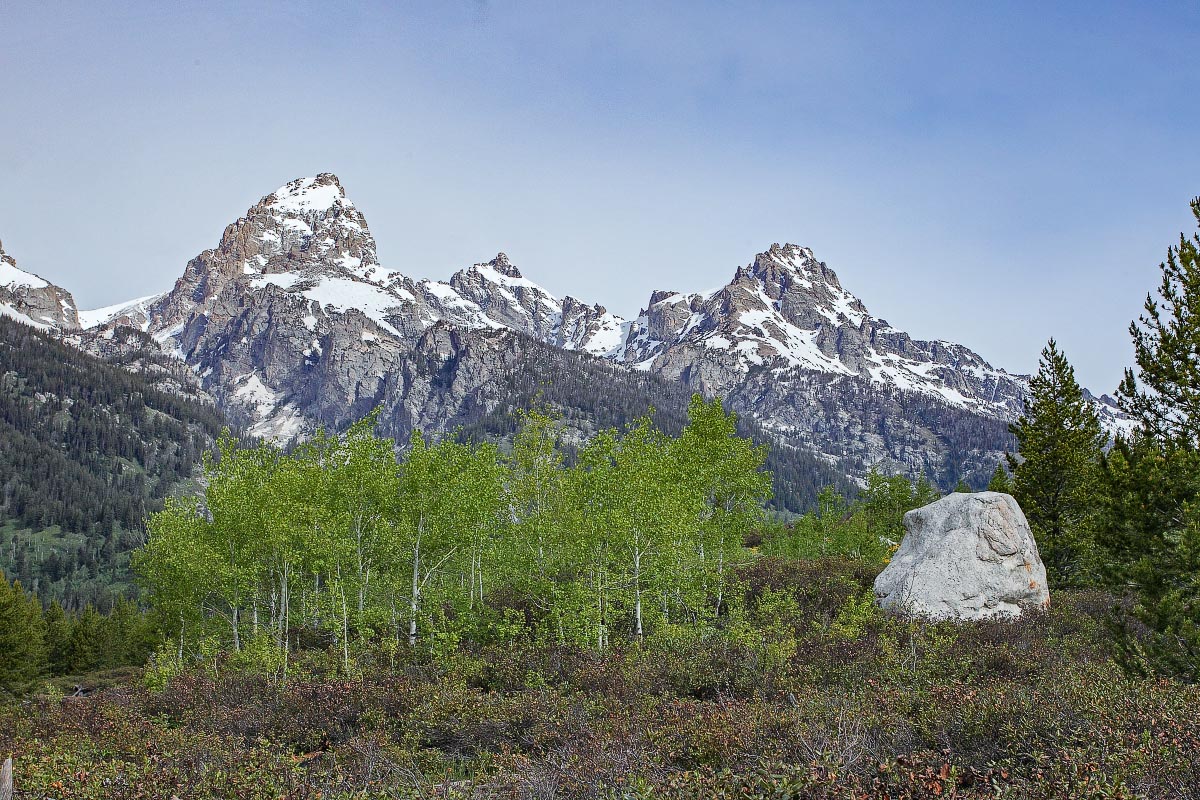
column 87, row 448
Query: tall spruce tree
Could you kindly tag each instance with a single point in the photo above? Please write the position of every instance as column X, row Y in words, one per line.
column 1164, row 394
column 1060, row 442
column 1152, row 524
column 58, row 638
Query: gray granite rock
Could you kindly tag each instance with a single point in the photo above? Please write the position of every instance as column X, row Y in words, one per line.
column 965, row 557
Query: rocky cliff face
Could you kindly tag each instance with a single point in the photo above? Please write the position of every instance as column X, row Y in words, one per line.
column 290, row 322
column 34, row 300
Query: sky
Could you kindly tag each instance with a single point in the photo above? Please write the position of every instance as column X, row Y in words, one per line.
column 991, row 174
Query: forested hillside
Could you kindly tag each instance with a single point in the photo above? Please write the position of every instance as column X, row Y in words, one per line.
column 87, row 450
column 91, row 446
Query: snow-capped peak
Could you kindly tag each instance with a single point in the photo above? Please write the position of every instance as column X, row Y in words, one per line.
column 306, row 236
column 793, row 255
column 786, row 311
column 502, row 265
column 306, row 247
column 318, row 193
column 13, row 276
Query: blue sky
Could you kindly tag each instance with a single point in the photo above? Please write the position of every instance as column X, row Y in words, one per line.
column 993, row 174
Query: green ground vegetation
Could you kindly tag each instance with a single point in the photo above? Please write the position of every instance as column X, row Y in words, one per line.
column 805, row 690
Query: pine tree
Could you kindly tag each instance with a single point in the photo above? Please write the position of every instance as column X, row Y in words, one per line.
column 1151, row 540
column 87, row 646
column 1060, row 443
column 58, row 637
column 1164, row 394
column 1152, row 520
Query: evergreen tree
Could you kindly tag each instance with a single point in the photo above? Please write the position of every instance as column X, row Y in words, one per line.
column 58, row 638
column 22, row 639
column 1152, row 520
column 86, row 648
column 1001, row 481
column 1060, row 443
column 88, row 447
column 128, row 636
column 1164, row 394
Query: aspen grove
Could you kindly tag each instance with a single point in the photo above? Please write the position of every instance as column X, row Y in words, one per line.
column 631, row 535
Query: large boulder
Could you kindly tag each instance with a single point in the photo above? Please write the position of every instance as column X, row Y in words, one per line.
column 965, row 557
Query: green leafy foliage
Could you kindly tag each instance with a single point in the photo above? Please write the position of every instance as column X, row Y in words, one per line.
column 867, row 529
column 336, row 541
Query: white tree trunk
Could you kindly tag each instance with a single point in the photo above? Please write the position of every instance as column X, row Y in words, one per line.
column 345, row 635
column 416, row 594
column 637, row 591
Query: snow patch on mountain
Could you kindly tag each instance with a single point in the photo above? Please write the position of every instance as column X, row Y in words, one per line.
column 307, row 194
column 134, row 313
column 9, row 311
column 340, row 294
column 12, row 276
column 34, row 300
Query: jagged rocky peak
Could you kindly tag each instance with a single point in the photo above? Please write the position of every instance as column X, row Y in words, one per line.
column 668, row 314
column 806, row 291
column 509, row 298
column 502, row 265
column 499, row 266
column 786, row 311
column 32, row 299
column 5, row 259
column 305, row 223
column 305, row 229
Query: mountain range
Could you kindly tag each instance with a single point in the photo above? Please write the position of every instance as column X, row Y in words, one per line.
column 290, row 322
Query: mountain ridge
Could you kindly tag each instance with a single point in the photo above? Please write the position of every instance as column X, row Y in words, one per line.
column 290, row 320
